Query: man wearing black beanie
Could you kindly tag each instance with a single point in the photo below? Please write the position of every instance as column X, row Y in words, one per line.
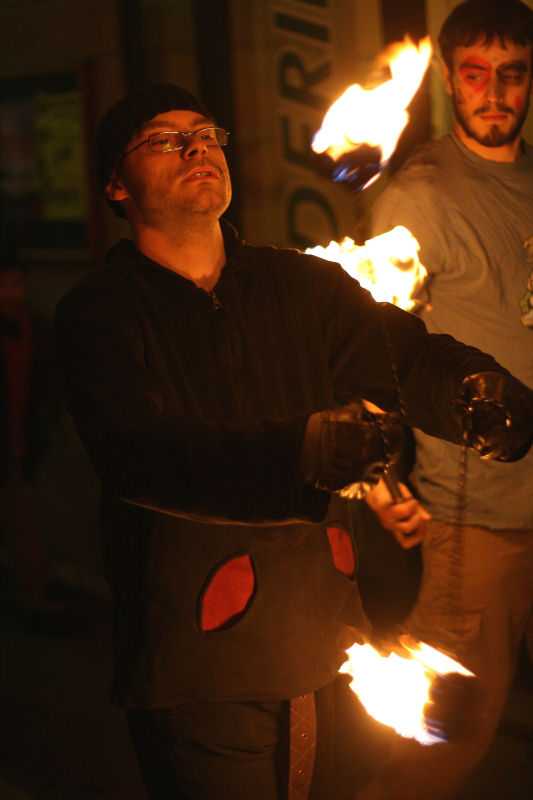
column 206, row 378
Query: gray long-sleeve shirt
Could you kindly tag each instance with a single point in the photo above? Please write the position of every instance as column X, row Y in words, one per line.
column 473, row 219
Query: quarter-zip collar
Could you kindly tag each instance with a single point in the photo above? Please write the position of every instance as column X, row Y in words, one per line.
column 125, row 251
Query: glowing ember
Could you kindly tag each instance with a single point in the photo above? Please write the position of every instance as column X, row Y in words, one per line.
column 386, row 265
column 375, row 117
column 394, row 689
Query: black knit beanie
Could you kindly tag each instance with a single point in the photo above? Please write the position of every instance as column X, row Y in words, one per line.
column 123, row 120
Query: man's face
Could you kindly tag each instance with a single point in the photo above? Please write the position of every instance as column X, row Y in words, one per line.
column 166, row 188
column 490, row 87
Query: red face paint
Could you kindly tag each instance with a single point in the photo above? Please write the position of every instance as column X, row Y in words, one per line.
column 518, row 102
column 476, row 72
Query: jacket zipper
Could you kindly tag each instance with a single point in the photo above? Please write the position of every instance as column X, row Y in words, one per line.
column 233, row 358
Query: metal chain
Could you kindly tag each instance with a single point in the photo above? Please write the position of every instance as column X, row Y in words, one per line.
column 455, row 582
column 392, row 362
column 460, row 495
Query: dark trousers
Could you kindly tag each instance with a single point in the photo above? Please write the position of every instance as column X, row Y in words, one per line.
column 240, row 751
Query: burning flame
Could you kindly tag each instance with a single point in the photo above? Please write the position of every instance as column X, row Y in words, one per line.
column 376, row 116
column 386, row 265
column 394, row 689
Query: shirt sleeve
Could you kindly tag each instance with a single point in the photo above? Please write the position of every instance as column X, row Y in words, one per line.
column 381, row 353
column 186, row 465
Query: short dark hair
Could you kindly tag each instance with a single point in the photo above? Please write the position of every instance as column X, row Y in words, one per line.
column 502, row 20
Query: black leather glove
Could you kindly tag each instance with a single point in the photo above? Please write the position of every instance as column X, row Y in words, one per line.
column 495, row 412
column 348, row 446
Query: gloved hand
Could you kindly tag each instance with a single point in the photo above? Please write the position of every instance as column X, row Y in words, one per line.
column 495, row 412
column 348, row 446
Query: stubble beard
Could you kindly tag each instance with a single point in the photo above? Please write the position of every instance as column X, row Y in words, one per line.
column 495, row 136
column 177, row 212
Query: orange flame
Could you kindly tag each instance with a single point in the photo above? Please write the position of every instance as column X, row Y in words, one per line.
column 387, row 265
column 375, row 116
column 394, row 689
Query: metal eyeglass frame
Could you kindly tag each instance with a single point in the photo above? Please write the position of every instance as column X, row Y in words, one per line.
column 181, row 133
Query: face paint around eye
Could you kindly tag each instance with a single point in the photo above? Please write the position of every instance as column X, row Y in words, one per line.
column 475, row 71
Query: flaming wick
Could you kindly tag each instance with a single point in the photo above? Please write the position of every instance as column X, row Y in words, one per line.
column 360, row 130
column 417, row 690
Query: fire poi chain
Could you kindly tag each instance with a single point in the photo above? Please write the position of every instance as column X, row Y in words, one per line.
column 414, row 687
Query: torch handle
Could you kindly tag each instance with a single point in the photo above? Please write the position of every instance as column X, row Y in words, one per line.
column 390, row 476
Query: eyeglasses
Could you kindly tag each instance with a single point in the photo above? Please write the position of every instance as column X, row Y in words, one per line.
column 167, row 141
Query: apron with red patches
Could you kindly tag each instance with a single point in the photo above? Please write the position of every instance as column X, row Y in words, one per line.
column 261, row 612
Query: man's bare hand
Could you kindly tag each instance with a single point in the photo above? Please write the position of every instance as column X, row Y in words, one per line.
column 405, row 519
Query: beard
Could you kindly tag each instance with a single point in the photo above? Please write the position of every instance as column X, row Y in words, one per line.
column 163, row 208
column 495, row 136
